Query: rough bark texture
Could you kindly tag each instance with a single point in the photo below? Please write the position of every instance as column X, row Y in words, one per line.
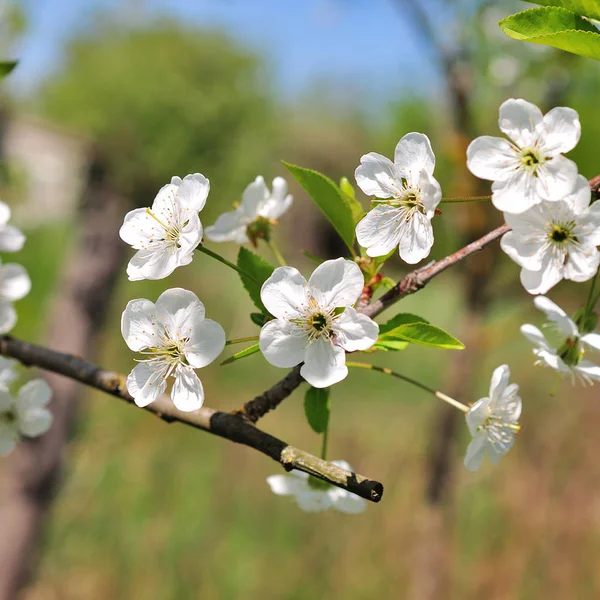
column 33, row 472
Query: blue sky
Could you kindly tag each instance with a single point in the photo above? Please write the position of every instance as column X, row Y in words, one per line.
column 363, row 44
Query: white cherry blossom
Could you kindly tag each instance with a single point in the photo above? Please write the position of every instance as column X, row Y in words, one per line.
column 175, row 338
column 26, row 415
column 8, row 373
column 14, row 285
column 530, row 167
column 493, row 421
column 166, row 234
column 567, row 355
column 406, row 198
column 315, row 321
column 313, row 495
column 252, row 219
column 11, row 238
column 556, row 240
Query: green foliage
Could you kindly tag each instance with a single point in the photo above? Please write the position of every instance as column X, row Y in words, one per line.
column 585, row 8
column 164, row 99
column 317, row 408
column 557, row 27
column 259, row 269
column 242, row 354
column 342, row 210
column 6, row 66
column 407, row 328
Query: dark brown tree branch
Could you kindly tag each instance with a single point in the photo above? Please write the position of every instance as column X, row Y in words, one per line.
column 225, row 425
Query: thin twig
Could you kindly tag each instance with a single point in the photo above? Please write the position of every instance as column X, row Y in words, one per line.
column 225, row 425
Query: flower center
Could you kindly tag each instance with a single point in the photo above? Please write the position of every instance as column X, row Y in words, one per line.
column 571, row 352
column 8, row 418
column 319, row 322
column 560, row 233
column 259, row 228
column 532, row 159
column 172, row 231
column 316, row 323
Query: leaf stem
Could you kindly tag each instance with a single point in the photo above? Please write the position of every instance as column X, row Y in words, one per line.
column 252, row 338
column 360, row 365
column 591, row 301
column 218, row 257
column 465, row 199
column 276, row 253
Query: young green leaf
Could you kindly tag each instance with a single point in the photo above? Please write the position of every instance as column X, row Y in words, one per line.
column 387, row 339
column 585, row 8
column 259, row 269
column 557, row 27
column 6, row 66
column 342, row 210
column 317, row 408
column 426, row 334
column 242, row 354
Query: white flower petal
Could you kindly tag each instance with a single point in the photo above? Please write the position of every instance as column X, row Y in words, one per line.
column 556, row 178
column 477, row 414
column 589, row 369
column 539, row 282
column 139, row 228
column 8, row 439
column 556, row 314
column 336, row 283
column 592, row 339
column 35, row 422
column 179, row 311
column 34, row 394
column 8, row 316
column 582, row 263
column 187, row 393
column 7, row 402
column 347, row 502
column 313, row 501
column 526, row 251
column 146, row 383
column 580, row 197
column 229, row 227
column 491, row 158
column 355, row 331
column 533, row 334
column 561, row 130
column 519, row 120
column 152, row 264
column 499, row 381
column 591, row 222
column 192, row 192
column 253, row 198
column 281, row 343
column 380, row 230
column 417, row 239
column 279, row 201
column 7, row 372
column 378, row 176
column 286, row 485
column 14, row 282
column 284, row 293
column 138, row 325
column 516, row 194
column 206, row 342
column 475, row 452
column 431, row 193
column 413, row 153
column 324, row 364
column 11, row 239
column 4, row 213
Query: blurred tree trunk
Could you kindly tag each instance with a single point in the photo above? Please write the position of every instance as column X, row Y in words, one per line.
column 33, row 472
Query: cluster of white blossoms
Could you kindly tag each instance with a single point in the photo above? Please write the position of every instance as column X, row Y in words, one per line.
column 555, row 229
column 26, row 414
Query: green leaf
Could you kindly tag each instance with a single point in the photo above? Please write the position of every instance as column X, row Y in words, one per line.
column 557, row 27
column 242, row 354
column 407, row 328
column 346, row 188
column 388, row 340
column 343, row 211
column 317, row 408
column 6, row 66
column 585, row 8
column 387, row 283
column 258, row 268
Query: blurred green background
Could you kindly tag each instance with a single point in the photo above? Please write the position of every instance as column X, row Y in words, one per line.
column 157, row 511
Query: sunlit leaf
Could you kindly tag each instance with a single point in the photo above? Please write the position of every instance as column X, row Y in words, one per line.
column 242, row 354
column 6, row 67
column 585, row 8
column 259, row 269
